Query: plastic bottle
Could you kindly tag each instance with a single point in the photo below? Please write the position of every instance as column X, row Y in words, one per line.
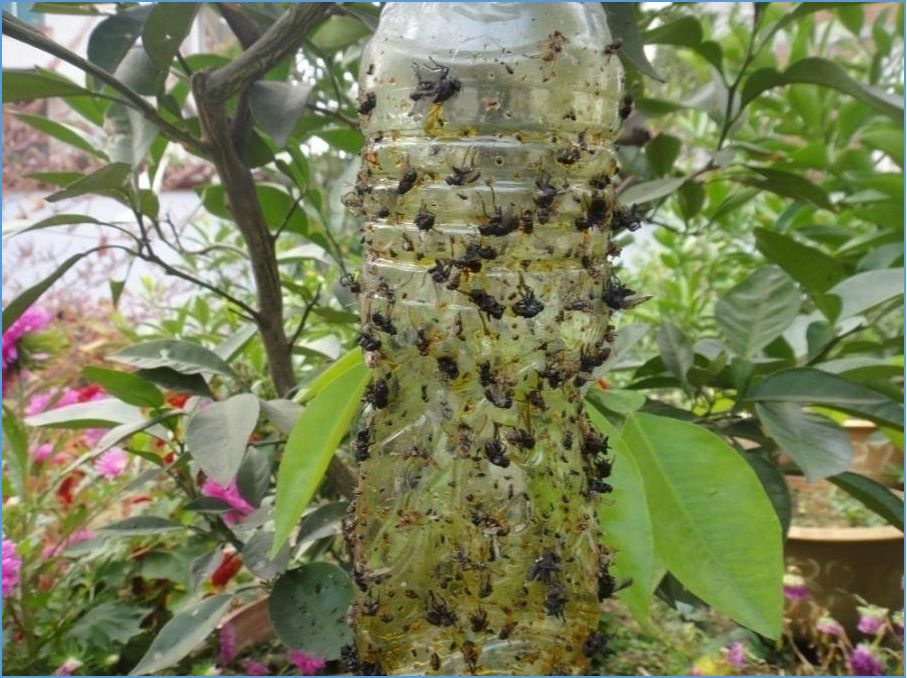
column 485, row 294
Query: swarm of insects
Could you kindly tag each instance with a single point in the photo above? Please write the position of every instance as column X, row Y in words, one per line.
column 486, row 295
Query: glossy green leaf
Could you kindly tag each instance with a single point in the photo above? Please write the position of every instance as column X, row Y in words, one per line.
column 255, row 556
column 866, row 290
column 675, row 349
column 92, row 414
column 113, row 37
column 685, row 32
column 647, row 191
column 348, row 361
column 714, row 527
column 775, row 486
column 818, row 445
column 338, row 32
column 218, row 434
column 253, row 480
column 65, row 133
column 50, row 222
column 785, row 183
column 622, row 25
column 140, row 526
column 277, row 107
column 626, row 524
column 818, row 71
column 164, row 30
column 307, row 609
column 313, row 440
column 182, row 356
column 108, row 178
column 811, row 267
column 175, row 381
column 282, row 413
column 235, row 343
column 756, row 311
column 128, row 387
column 616, row 400
column 661, row 153
column 874, row 496
column 813, row 387
column 25, row 85
column 324, row 521
column 182, row 634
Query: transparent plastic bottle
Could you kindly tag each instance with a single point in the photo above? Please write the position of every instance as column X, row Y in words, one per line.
column 485, row 292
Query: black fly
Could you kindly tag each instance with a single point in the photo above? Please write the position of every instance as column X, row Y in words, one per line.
column 439, row 90
column 367, row 103
column 528, row 306
column 407, row 181
column 438, row 613
column 424, row 220
column 487, row 304
column 377, row 394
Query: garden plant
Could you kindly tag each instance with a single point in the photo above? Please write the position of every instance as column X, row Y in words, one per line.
column 469, row 360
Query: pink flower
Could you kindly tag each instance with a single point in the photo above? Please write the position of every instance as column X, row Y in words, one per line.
column 92, row 436
column 307, row 665
column 39, row 402
column 254, row 668
column 229, row 495
column 863, row 662
column 32, row 320
column 40, row 452
column 829, row 627
column 112, row 463
column 795, row 587
column 71, row 540
column 227, row 640
column 12, row 563
column 68, row 667
column 872, row 619
column 736, row 655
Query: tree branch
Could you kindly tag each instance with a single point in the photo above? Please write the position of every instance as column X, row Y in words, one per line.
column 246, row 29
column 280, row 40
column 22, row 32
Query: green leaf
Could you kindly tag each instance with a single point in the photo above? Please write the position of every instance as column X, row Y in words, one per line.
column 817, row 71
column 714, row 527
column 622, row 25
column 182, row 356
column 343, row 138
column 255, row 556
column 338, row 32
column 874, row 496
column 785, row 183
column 813, row 387
column 235, row 343
column 108, row 178
column 164, row 30
column 307, row 609
column 277, row 107
column 690, row 199
column 661, row 153
column 50, row 222
column 348, row 361
column 818, row 445
column 888, row 139
column 113, row 37
column 775, row 486
column 313, row 440
column 20, row 304
column 276, row 204
column 25, row 85
column 685, row 32
column 217, row 435
column 282, row 413
column 140, row 526
column 676, row 351
column 64, row 133
column 812, row 268
column 616, row 400
column 254, row 477
column 626, row 524
column 647, row 191
column 756, row 311
column 321, row 522
column 866, row 290
column 106, row 622
column 92, row 414
column 182, row 634
column 182, row 383
column 129, row 388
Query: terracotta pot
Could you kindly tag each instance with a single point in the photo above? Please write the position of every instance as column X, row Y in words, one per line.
column 250, row 624
column 839, row 563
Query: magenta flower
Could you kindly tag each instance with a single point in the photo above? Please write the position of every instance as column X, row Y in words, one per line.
column 68, row 667
column 12, row 563
column 112, row 463
column 829, row 626
column 254, row 668
column 227, row 641
column 863, row 662
column 307, row 665
column 736, row 655
column 40, row 452
column 795, row 588
column 872, row 619
column 32, row 320
column 71, row 540
column 229, row 495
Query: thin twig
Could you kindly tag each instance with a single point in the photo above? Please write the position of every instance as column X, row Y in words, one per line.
column 305, row 316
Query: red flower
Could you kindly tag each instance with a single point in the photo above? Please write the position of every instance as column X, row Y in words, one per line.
column 64, row 492
column 177, row 399
column 229, row 566
column 90, row 392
